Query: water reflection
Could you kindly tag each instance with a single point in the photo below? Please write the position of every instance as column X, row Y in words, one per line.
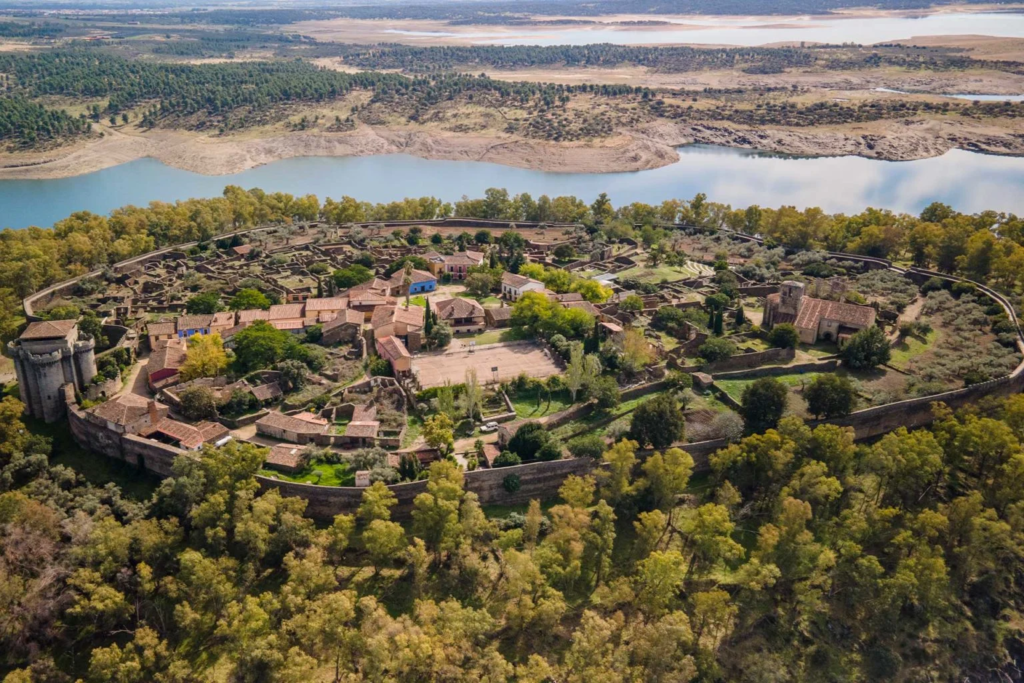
column 969, row 182
column 750, row 31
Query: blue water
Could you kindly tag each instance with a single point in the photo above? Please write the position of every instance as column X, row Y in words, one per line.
column 967, row 181
column 749, row 31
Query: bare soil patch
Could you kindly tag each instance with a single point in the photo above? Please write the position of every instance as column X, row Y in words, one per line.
column 511, row 359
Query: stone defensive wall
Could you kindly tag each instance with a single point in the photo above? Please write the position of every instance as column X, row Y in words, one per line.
column 538, row 479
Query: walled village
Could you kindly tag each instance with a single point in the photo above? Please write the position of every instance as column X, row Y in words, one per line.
column 361, row 353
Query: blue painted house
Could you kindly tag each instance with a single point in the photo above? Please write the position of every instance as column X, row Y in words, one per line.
column 189, row 325
column 422, row 283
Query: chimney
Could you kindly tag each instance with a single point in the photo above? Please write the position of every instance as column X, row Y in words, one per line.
column 154, row 416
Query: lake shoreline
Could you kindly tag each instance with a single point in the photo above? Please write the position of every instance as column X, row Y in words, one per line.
column 647, row 147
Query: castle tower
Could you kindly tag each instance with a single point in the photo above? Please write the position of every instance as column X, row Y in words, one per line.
column 47, row 356
column 790, row 296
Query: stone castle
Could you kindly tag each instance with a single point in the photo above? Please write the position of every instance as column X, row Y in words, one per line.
column 47, row 356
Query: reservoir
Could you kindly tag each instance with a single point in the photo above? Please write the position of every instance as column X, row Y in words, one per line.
column 967, row 181
column 746, row 31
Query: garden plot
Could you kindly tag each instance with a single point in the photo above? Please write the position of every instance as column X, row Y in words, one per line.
column 511, row 360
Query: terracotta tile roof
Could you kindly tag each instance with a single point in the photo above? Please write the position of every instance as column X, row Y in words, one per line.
column 375, row 283
column 346, row 317
column 266, row 392
column 284, row 457
column 185, row 434
column 285, row 311
column 364, row 413
column 242, row 249
column 398, row 279
column 310, row 418
column 583, row 306
column 462, row 259
column 392, row 348
column 366, row 429
column 458, row 307
column 159, row 329
column 334, row 303
column 288, row 324
column 212, row 431
column 568, row 297
column 223, row 319
column 612, row 327
column 517, row 281
column 194, row 322
column 168, row 356
column 412, row 316
column 370, row 297
column 813, row 311
column 478, row 255
column 251, row 315
column 48, row 329
column 288, row 423
column 502, row 313
column 124, row 409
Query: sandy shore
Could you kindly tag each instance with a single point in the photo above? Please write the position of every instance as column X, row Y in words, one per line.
column 650, row 146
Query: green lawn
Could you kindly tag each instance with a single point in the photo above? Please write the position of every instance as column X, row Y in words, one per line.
column 418, row 300
column 330, row 474
column 526, row 404
column 656, row 274
column 494, row 336
column 98, row 469
column 819, row 349
column 483, row 301
column 412, row 431
column 912, row 347
column 735, row 387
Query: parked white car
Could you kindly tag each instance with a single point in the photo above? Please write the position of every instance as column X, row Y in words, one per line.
column 489, row 427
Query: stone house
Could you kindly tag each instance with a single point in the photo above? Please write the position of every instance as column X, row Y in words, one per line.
column 343, row 328
column 393, row 350
column 463, row 315
column 165, row 362
column 288, row 317
column 185, row 436
column 498, row 317
column 397, row 321
column 127, row 414
column 302, row 428
column 161, row 331
column 815, row 319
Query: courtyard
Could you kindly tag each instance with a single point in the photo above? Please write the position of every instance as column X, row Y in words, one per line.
column 511, row 360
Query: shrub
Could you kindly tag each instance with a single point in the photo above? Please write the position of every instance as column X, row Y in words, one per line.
column 960, row 288
column 830, row 396
column 552, row 450
column 511, row 483
column 507, row 459
column 380, row 367
column 409, row 467
column 528, row 440
column 784, row 336
column 589, row 446
column 932, row 284
column 716, row 349
column 866, row 349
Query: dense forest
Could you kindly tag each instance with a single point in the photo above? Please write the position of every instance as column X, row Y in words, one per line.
column 801, row 557
column 239, row 95
column 665, row 59
column 12, row 29
column 24, row 124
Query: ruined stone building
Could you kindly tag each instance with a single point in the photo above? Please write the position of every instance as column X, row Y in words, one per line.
column 47, row 356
